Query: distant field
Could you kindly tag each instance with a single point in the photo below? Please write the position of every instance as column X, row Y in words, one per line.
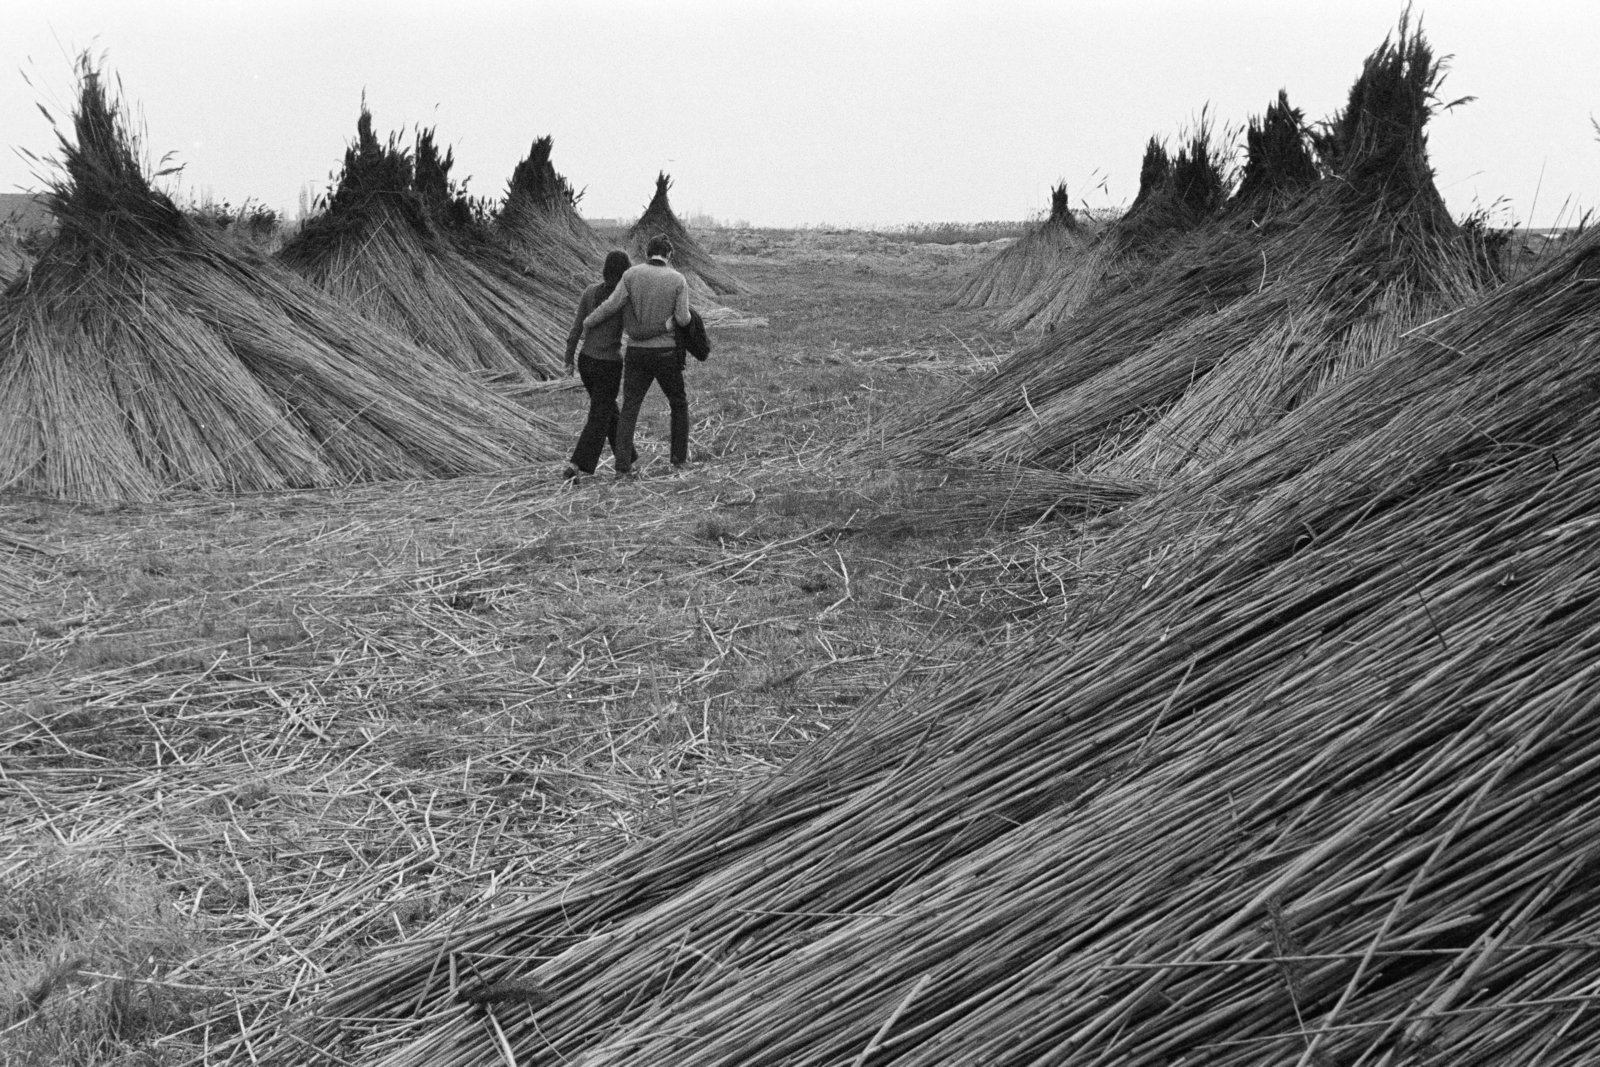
column 915, row 233
column 23, row 211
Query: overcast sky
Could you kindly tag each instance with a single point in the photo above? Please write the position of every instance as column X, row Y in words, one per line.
column 787, row 112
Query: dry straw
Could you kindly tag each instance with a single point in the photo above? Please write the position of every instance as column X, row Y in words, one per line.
column 705, row 274
column 1319, row 788
column 21, row 565
column 143, row 354
column 377, row 702
column 1278, row 170
column 1178, row 194
column 1031, row 261
column 1294, row 288
column 398, row 242
column 539, row 221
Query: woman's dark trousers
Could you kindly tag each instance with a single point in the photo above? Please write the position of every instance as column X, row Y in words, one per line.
column 643, row 367
column 601, row 377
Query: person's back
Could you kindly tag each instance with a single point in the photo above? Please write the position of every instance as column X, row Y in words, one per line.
column 652, row 297
column 655, row 294
column 600, row 365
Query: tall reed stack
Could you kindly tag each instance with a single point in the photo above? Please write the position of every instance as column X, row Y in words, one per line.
column 1161, row 265
column 704, row 274
column 1397, row 260
column 1278, row 169
column 539, row 220
column 1178, row 194
column 142, row 354
column 398, row 242
column 1318, row 789
column 548, row 295
column 1301, row 283
column 1030, row 261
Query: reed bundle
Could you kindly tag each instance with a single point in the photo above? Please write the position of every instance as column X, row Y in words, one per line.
column 1066, row 290
column 1178, row 196
column 1401, row 421
column 539, row 220
column 398, row 243
column 1144, row 275
column 467, row 223
column 1127, row 316
column 1397, row 261
column 704, row 273
column 1279, row 167
column 1029, row 262
column 142, row 353
column 1179, row 192
column 1234, row 330
column 1322, row 794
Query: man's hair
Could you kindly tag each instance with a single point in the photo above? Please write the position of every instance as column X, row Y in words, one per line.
column 660, row 245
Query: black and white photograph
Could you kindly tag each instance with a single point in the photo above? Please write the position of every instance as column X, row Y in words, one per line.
column 799, row 533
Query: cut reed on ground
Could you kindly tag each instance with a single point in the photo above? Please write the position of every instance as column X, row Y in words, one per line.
column 1313, row 787
column 277, row 731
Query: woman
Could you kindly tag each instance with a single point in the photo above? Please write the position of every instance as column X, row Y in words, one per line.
column 600, row 367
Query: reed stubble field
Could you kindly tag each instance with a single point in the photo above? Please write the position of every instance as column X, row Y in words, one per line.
column 249, row 738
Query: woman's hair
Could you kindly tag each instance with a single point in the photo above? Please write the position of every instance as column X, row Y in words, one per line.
column 617, row 262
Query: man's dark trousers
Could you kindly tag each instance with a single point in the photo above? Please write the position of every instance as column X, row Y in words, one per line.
column 644, row 366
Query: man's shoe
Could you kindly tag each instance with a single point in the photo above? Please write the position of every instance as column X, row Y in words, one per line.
column 571, row 473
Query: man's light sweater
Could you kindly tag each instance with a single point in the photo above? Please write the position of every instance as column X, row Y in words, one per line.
column 648, row 296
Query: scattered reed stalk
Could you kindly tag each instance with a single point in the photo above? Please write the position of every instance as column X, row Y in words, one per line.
column 1017, row 270
column 703, row 272
column 1371, row 743
column 22, row 562
column 324, row 719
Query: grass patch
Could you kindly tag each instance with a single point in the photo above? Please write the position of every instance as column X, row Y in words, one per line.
column 90, row 948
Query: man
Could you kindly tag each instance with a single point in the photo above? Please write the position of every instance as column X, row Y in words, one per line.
column 652, row 298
